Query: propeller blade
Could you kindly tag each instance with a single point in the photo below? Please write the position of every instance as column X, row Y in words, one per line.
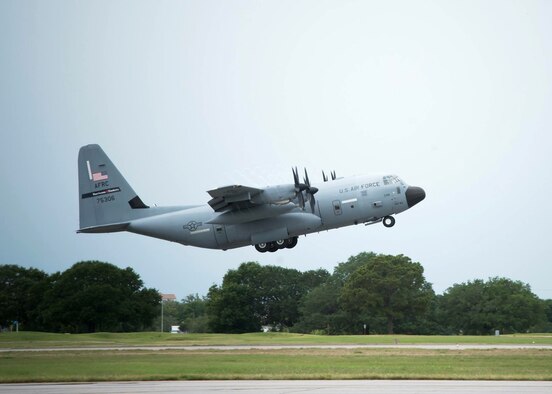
column 301, row 199
column 306, row 178
column 312, row 201
column 299, row 187
column 304, row 187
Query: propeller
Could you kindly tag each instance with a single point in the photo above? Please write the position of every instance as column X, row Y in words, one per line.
column 299, row 187
column 306, row 187
column 325, row 177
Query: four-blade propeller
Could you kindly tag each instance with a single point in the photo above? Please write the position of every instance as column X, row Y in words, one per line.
column 325, row 177
column 306, row 187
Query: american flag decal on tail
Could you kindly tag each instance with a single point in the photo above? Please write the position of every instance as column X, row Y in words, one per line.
column 99, row 176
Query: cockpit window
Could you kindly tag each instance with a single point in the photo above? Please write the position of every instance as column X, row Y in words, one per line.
column 391, row 180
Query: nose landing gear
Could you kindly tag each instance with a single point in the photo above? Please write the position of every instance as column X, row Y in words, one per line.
column 389, row 221
column 276, row 245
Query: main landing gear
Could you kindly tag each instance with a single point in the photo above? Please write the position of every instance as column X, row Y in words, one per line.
column 276, row 245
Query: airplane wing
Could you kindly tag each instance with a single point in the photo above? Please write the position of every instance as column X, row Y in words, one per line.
column 234, row 197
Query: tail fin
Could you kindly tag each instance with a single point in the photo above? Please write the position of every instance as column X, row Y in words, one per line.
column 106, row 200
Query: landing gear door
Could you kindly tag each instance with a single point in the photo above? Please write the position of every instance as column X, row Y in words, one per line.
column 220, row 235
column 337, row 207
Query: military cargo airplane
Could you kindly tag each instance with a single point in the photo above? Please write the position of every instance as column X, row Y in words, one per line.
column 270, row 218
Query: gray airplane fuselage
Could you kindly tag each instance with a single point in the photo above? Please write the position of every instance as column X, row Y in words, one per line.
column 340, row 202
column 270, row 218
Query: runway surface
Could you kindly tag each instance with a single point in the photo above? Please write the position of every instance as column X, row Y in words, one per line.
column 288, row 387
column 280, row 347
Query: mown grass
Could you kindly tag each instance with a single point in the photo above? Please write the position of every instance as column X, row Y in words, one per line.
column 39, row 339
column 73, row 366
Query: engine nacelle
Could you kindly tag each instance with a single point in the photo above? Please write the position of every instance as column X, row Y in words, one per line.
column 279, row 194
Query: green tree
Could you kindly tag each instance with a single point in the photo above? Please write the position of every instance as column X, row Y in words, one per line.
column 426, row 323
column 343, row 270
column 545, row 326
column 231, row 309
column 389, row 288
column 95, row 296
column 21, row 291
column 320, row 311
column 255, row 295
column 193, row 314
column 479, row 307
column 548, row 309
column 171, row 315
column 313, row 278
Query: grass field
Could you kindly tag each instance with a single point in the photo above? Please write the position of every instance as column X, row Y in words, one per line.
column 69, row 366
column 39, row 339
column 359, row 363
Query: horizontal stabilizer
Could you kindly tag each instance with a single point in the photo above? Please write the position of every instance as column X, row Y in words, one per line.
column 108, row 228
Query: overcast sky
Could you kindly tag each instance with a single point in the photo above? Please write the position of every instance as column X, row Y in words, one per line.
column 186, row 96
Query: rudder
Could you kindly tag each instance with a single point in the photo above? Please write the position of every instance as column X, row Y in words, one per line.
column 106, row 200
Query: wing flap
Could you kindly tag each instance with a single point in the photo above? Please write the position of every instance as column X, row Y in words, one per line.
column 257, row 212
column 232, row 197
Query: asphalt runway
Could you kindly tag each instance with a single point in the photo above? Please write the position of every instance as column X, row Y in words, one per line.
column 288, row 387
column 280, row 347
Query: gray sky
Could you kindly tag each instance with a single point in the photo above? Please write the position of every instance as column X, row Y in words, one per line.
column 185, row 96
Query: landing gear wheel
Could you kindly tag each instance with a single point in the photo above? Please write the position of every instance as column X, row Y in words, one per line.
column 262, row 247
column 291, row 242
column 276, row 245
column 389, row 221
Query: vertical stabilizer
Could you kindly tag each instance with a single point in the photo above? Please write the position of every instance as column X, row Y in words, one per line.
column 106, row 200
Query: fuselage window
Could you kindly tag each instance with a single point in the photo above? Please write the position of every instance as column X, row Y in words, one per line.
column 391, row 179
column 398, row 190
column 337, row 207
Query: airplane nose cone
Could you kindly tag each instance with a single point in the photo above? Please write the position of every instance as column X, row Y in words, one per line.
column 414, row 195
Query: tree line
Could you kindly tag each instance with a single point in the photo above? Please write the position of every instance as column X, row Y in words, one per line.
column 369, row 293
column 88, row 297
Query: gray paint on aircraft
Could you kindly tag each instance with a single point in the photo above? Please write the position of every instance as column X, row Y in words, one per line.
column 238, row 215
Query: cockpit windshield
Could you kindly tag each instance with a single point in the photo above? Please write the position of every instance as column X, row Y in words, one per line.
column 391, row 180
